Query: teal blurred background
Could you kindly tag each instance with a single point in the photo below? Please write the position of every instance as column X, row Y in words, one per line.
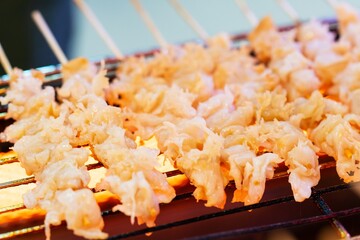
column 130, row 33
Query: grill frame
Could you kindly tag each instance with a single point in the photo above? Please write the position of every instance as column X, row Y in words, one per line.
column 326, row 215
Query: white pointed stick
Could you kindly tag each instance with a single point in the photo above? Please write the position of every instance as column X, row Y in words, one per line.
column 5, row 61
column 94, row 21
column 149, row 23
column 49, row 37
column 244, row 7
column 191, row 21
column 289, row 10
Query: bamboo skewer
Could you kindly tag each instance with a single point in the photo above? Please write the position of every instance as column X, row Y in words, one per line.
column 149, row 23
column 5, row 61
column 89, row 14
column 289, row 10
column 190, row 20
column 244, row 7
column 49, row 37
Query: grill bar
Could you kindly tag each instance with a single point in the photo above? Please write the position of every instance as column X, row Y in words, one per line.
column 202, row 218
column 12, row 208
column 21, row 232
column 8, row 160
column 288, row 224
column 327, row 215
column 17, row 182
column 330, row 215
column 325, row 209
column 31, row 179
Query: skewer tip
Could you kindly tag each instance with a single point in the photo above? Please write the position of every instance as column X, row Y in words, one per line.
column 48, row 35
column 199, row 30
column 289, row 10
column 249, row 14
column 150, row 24
column 90, row 15
column 5, row 61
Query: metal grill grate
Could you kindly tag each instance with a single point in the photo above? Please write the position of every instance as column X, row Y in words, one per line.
column 333, row 204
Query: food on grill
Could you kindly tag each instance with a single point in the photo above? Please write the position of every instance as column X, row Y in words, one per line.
column 133, row 178
column 195, row 150
column 338, row 138
column 219, row 111
column 27, row 103
column 25, row 88
column 248, row 171
column 285, row 59
column 80, row 77
column 86, row 220
column 315, row 40
column 218, row 114
column 329, row 57
column 59, row 169
column 287, row 143
column 308, row 113
column 57, row 159
column 44, row 150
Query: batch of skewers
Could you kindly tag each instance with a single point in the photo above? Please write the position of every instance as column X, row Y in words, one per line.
column 217, row 113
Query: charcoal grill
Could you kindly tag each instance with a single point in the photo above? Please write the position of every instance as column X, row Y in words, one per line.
column 333, row 208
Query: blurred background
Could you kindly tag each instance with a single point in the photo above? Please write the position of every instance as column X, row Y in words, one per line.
column 26, row 48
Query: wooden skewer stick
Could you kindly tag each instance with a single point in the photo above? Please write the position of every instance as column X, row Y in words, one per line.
column 49, row 37
column 89, row 14
column 244, row 7
column 5, row 61
column 149, row 23
column 289, row 10
column 190, row 20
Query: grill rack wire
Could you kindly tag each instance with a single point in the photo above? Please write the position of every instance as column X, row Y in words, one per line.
column 340, row 218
